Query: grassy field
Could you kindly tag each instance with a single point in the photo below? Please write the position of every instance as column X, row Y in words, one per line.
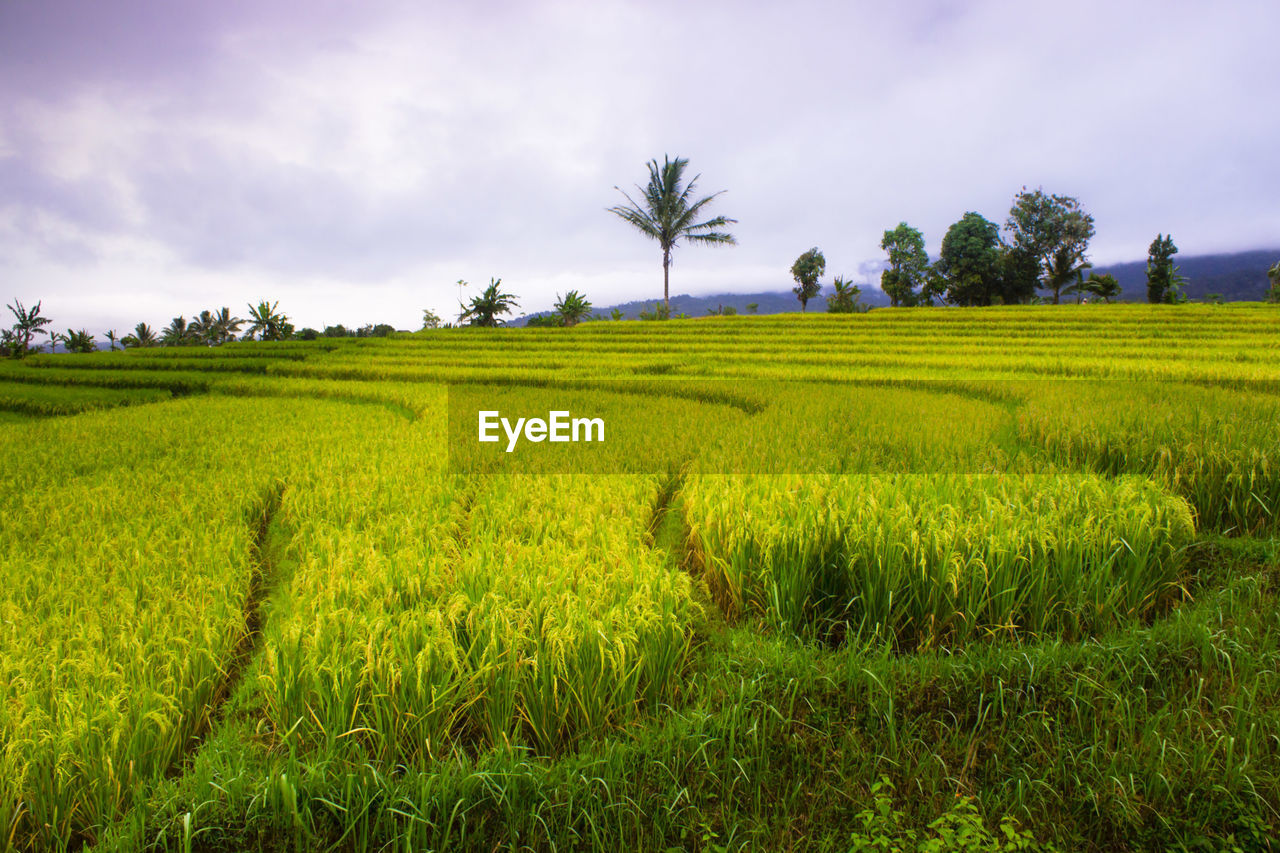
column 973, row 579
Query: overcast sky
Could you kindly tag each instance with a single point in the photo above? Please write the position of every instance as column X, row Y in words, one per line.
column 353, row 160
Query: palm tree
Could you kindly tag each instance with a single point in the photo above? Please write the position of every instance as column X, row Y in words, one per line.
column 177, row 333
column 847, row 298
column 572, row 307
column 201, row 329
column 76, row 341
column 29, row 323
column 1105, row 287
column 485, row 308
column 1065, row 273
column 112, row 338
column 142, row 337
column 267, row 323
column 225, row 326
column 668, row 215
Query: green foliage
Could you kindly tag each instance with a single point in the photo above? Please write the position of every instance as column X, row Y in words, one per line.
column 1104, row 287
column 616, row 315
column 1164, row 284
column 960, row 829
column 142, row 336
column 486, row 308
column 659, row 312
column 430, row 319
column 846, row 298
column 267, row 323
column 77, row 341
column 572, row 308
column 28, row 323
column 1273, row 275
column 806, row 271
column 668, row 214
column 970, row 261
column 907, row 278
column 1055, row 231
column 753, row 307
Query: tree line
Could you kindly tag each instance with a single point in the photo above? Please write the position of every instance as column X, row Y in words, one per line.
column 208, row 328
column 1039, row 256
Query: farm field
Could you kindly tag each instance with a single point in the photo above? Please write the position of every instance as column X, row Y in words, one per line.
column 1003, row 577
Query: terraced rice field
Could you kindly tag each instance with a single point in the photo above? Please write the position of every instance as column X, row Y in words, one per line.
column 1000, row 576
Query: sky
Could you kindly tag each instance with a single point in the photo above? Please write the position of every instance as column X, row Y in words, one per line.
column 353, row 161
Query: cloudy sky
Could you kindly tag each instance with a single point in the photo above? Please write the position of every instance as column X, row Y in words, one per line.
column 354, row 160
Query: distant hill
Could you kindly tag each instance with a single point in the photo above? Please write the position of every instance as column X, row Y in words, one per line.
column 1239, row 277
column 769, row 302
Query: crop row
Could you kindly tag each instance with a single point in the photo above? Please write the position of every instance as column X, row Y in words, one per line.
column 925, row 560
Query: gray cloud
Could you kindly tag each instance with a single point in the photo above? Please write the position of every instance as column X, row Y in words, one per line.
column 356, row 150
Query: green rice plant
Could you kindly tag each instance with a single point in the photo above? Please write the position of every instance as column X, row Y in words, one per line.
column 1215, row 446
column 923, row 560
column 35, row 399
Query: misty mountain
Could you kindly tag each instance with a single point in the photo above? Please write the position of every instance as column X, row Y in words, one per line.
column 769, row 302
column 1239, row 277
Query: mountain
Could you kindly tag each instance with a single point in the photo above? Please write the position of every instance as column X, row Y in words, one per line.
column 768, row 302
column 1238, row 277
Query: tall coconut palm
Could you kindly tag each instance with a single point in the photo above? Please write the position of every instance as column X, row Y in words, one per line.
column 669, row 214
column 485, row 308
column 112, row 338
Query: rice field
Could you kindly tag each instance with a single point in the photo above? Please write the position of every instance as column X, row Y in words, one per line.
column 878, row 581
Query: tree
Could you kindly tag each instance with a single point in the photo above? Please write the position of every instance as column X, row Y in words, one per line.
column 1055, row 231
column 1164, row 284
column 572, row 308
column 847, row 298
column 1273, row 275
column 907, row 276
column 225, row 327
column 617, row 314
column 970, row 261
column 267, row 323
column 668, row 215
column 177, row 333
column 430, row 320
column 77, row 341
column 142, row 337
column 29, row 324
column 485, row 308
column 1066, row 274
column 659, row 312
column 1105, row 286
column 112, row 338
column 806, row 271
column 1019, row 275
column 753, row 307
